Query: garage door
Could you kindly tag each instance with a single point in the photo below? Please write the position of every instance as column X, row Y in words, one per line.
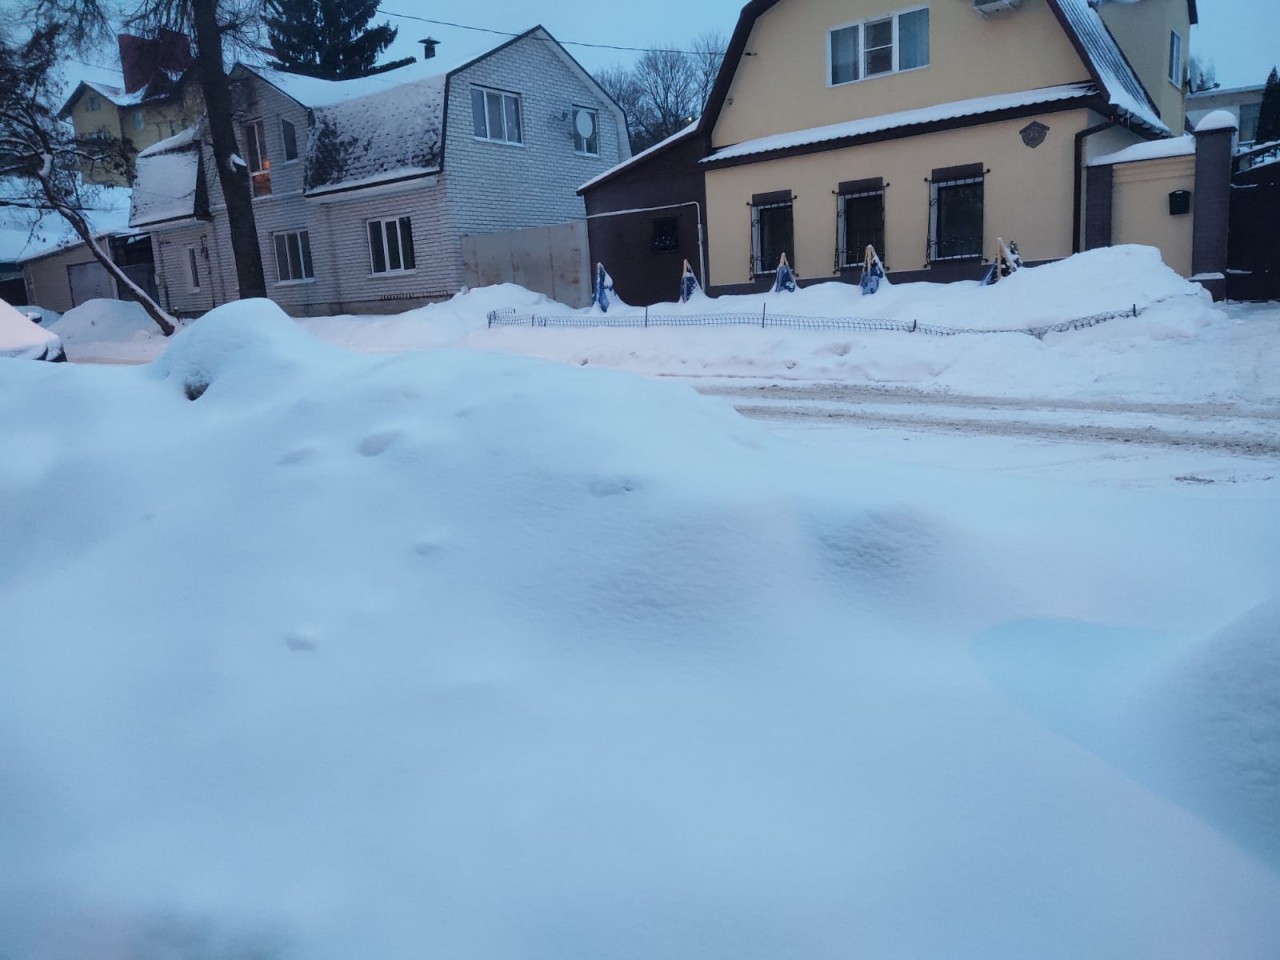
column 90, row 281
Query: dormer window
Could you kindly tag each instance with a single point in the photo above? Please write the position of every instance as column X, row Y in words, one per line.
column 873, row 48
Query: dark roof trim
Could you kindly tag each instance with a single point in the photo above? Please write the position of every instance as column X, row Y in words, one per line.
column 1192, row 13
column 1082, row 51
column 1092, row 101
column 419, row 175
column 644, row 156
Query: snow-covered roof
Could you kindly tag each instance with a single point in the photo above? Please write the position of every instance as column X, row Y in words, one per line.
column 27, row 234
column 1184, row 146
column 973, row 107
column 1218, row 120
column 180, row 140
column 166, row 184
column 1108, row 63
column 385, row 135
column 648, row 151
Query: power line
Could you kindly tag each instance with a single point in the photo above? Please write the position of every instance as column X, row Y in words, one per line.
column 505, row 33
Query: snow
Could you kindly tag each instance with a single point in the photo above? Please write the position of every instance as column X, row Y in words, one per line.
column 1184, row 146
column 648, row 151
column 27, row 234
column 165, row 186
column 21, row 337
column 473, row 655
column 1218, row 120
column 378, row 137
column 108, row 330
column 975, row 106
column 183, row 138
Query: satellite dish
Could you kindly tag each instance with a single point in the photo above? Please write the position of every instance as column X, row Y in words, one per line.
column 585, row 124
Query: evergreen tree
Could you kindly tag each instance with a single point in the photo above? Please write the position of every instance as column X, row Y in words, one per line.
column 330, row 39
column 1269, row 112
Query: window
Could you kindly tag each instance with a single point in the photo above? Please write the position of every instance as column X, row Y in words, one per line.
column 391, row 246
column 586, row 131
column 666, row 238
column 193, row 270
column 771, row 231
column 1249, row 113
column 293, row 257
column 876, row 47
column 496, row 115
column 860, row 219
column 1175, row 59
column 289, row 135
column 139, row 120
column 255, row 145
column 94, row 104
column 955, row 204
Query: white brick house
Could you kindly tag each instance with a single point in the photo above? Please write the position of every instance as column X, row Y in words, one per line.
column 363, row 188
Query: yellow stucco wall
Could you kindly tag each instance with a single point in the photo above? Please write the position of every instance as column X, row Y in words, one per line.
column 1142, row 30
column 1140, row 207
column 1027, row 195
column 161, row 119
column 784, row 85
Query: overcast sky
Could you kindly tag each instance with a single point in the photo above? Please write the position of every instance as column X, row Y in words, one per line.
column 1242, row 37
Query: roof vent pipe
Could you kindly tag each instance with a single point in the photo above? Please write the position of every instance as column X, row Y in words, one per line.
column 429, row 47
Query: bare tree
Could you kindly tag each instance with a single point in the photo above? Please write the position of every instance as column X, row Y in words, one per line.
column 212, row 24
column 44, row 158
column 666, row 90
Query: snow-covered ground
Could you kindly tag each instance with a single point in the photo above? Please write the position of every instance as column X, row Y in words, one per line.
column 460, row 653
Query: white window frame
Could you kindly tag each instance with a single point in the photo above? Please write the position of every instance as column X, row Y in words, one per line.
column 578, row 138
column 862, row 46
column 260, row 174
column 1175, row 58
column 385, row 224
column 284, row 141
column 139, row 120
column 193, row 268
column 302, row 259
column 488, row 125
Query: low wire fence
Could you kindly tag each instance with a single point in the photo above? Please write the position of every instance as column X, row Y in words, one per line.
column 509, row 317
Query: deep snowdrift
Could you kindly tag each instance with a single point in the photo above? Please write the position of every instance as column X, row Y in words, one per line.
column 461, row 655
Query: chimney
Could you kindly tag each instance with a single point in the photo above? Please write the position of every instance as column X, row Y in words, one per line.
column 142, row 59
column 429, row 47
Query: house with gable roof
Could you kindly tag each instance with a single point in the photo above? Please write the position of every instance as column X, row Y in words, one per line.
column 363, row 189
column 928, row 130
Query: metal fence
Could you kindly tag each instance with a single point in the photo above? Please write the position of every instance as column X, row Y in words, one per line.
column 765, row 319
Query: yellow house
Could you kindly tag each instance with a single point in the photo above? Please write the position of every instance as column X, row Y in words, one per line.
column 930, row 129
column 154, row 100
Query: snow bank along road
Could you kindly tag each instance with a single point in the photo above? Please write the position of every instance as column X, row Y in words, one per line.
column 1220, row 427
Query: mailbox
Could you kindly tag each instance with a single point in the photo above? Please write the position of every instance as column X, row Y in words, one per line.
column 1179, row 202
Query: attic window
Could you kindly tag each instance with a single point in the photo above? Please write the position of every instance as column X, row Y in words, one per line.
column 496, row 115
column 586, row 131
column 872, row 48
column 255, row 145
column 94, row 104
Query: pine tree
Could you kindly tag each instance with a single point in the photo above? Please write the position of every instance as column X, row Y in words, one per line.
column 1269, row 112
column 330, row 39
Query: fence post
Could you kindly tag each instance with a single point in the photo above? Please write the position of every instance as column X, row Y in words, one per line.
column 1135, row 309
column 764, row 309
column 489, row 317
column 646, row 315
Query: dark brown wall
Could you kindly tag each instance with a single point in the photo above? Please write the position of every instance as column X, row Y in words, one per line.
column 1212, row 204
column 623, row 243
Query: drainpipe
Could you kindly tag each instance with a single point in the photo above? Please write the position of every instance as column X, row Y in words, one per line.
column 1077, row 190
column 702, row 255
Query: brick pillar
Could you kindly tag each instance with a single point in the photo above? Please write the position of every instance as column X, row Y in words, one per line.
column 1212, row 202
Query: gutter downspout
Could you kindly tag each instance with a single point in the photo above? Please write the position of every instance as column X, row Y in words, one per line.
column 1077, row 189
column 702, row 255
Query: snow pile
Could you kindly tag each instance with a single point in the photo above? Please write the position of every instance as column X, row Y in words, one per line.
column 108, row 330
column 460, row 655
column 23, row 338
